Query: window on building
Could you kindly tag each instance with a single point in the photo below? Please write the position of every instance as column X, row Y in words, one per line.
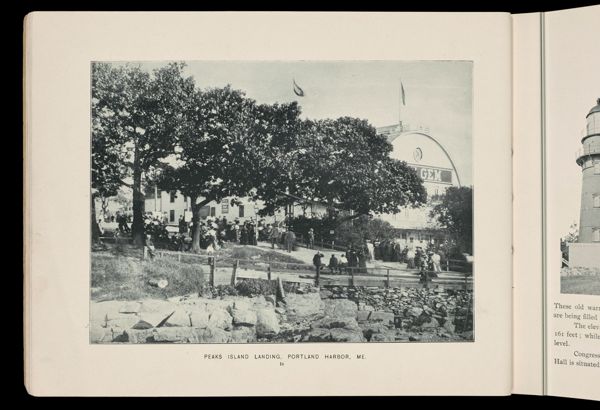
column 241, row 209
column 597, row 168
column 596, row 235
column 172, row 215
column 411, row 239
column 404, row 235
column 172, row 195
column 213, row 211
column 597, row 201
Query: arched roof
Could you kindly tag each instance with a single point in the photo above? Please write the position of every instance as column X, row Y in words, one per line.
column 394, row 137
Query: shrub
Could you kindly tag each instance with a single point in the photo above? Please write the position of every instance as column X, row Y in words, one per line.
column 256, row 287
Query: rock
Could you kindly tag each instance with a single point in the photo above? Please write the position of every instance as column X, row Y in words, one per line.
column 240, row 304
column 449, row 326
column 271, row 299
column 181, row 317
column 431, row 324
column 214, row 335
column 369, row 308
column 280, row 311
column 346, row 335
column 267, row 323
column 175, row 335
column 336, row 323
column 467, row 335
column 415, row 311
column 100, row 335
column 383, row 337
column 243, row 334
column 121, row 337
column 363, row 315
column 220, row 319
column 369, row 329
column 308, row 305
column 142, row 324
column 199, row 317
column 384, row 317
column 326, row 294
column 319, row 335
column 243, row 317
column 131, row 307
column 160, row 307
column 340, row 308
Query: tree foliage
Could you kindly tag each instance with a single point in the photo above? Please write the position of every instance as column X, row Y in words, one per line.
column 455, row 214
column 135, row 118
column 342, row 163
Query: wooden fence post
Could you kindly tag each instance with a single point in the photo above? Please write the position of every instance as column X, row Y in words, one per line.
column 145, row 252
column 447, row 265
column 178, row 257
column 352, row 277
column 318, row 275
column 387, row 282
column 212, row 271
column 269, row 272
column 234, row 273
column 280, row 289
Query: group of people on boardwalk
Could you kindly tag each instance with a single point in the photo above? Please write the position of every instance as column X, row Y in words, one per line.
column 353, row 260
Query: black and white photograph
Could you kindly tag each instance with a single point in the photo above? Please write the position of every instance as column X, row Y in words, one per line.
column 580, row 245
column 288, row 201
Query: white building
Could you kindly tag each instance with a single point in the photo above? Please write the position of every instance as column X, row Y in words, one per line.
column 420, row 150
column 172, row 204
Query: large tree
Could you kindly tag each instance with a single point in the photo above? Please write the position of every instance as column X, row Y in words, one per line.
column 343, row 163
column 138, row 116
column 455, row 213
column 216, row 153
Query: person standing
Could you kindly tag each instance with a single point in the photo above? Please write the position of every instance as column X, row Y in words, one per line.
column 290, row 239
column 342, row 263
column 333, row 263
column 318, row 261
column 410, row 259
column 311, row 238
column 182, row 225
column 274, row 236
column 436, row 259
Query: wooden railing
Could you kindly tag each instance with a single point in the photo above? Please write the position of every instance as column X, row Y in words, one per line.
column 300, row 272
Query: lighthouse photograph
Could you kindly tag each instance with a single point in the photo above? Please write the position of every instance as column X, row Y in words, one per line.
column 281, row 202
column 580, row 247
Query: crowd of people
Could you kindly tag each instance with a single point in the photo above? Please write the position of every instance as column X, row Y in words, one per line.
column 428, row 258
column 214, row 232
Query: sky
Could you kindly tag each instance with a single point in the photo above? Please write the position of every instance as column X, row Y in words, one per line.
column 572, row 87
column 438, row 94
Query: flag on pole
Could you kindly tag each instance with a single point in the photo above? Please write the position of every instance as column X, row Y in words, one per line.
column 297, row 90
column 402, row 93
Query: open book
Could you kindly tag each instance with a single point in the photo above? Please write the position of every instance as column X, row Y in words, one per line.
column 312, row 203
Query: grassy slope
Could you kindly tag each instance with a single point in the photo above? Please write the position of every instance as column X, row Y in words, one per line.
column 120, row 274
column 582, row 285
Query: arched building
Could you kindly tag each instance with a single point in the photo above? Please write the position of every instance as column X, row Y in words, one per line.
column 422, row 151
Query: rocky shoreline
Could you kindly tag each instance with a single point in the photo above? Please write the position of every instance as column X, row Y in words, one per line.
column 309, row 314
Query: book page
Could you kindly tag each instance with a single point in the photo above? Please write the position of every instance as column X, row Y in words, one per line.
column 572, row 201
column 527, row 205
column 114, row 312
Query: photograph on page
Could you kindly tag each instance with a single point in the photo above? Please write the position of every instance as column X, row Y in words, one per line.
column 281, row 202
column 580, row 245
column 572, row 201
column 286, row 218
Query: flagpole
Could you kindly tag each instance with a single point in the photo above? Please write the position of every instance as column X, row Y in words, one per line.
column 400, row 103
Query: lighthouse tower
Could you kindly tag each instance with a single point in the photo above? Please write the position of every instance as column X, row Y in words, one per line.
column 588, row 158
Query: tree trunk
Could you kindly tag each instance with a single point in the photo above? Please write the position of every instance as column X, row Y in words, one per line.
column 137, row 227
column 95, row 227
column 196, row 222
